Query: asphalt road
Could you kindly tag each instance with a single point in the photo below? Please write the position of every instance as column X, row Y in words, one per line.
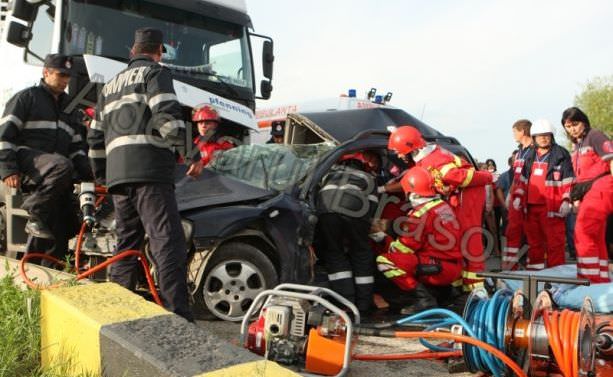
column 365, row 345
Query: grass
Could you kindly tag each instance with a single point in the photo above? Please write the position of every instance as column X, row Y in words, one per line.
column 20, row 334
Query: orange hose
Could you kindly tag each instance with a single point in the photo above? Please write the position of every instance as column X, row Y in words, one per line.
column 465, row 339
column 407, row 356
column 563, row 333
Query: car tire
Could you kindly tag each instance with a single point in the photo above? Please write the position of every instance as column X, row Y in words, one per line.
column 233, row 277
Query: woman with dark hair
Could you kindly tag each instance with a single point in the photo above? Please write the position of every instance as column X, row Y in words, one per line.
column 592, row 158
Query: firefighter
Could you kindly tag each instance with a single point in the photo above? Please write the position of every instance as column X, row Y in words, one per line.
column 210, row 139
column 41, row 151
column 543, row 194
column 456, row 179
column 277, row 132
column 427, row 253
column 593, row 165
column 514, row 232
column 346, row 203
column 138, row 128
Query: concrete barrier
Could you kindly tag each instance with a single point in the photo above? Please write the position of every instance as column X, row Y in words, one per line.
column 107, row 330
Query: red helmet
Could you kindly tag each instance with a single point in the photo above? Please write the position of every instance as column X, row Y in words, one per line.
column 206, row 113
column 418, row 180
column 405, row 139
column 90, row 112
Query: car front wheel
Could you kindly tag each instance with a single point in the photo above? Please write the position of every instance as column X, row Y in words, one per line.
column 234, row 276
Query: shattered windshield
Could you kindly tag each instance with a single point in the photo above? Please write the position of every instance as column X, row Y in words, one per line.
column 269, row 166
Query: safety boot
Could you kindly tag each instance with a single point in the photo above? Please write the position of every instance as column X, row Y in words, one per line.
column 423, row 300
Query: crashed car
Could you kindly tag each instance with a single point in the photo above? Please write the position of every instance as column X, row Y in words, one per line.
column 251, row 215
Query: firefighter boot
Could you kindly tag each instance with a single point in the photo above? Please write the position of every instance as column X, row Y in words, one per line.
column 423, row 301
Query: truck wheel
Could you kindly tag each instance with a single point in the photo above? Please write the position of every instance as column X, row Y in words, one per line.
column 234, row 275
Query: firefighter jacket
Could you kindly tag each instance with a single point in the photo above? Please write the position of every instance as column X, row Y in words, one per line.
column 431, row 230
column 591, row 155
column 558, row 179
column 34, row 119
column 138, row 127
column 348, row 191
column 449, row 171
column 209, row 147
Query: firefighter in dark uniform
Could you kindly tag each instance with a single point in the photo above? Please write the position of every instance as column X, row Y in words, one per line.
column 277, row 131
column 133, row 140
column 41, row 151
column 346, row 204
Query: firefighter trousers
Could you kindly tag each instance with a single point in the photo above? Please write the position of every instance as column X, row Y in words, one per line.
column 470, row 215
column 351, row 273
column 47, row 180
column 514, row 234
column 151, row 208
column 402, row 270
column 546, row 238
column 590, row 231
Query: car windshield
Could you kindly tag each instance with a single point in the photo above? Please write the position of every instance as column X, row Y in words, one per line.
column 202, row 47
column 269, row 166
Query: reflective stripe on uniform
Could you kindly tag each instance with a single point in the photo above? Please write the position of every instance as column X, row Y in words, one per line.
column 76, row 138
column 471, row 275
column 125, row 100
column 588, row 271
column 588, row 260
column 445, row 168
column 340, row 275
column 469, row 177
column 604, row 262
column 170, row 127
column 472, row 287
column 96, row 153
column 134, row 140
column 4, row 145
column 383, row 260
column 401, row 247
column 510, row 259
column 457, row 283
column 69, row 130
column 394, row 273
column 156, row 100
column 12, row 118
column 74, row 154
column 536, row 266
column 428, row 206
column 40, row 125
column 94, row 125
column 364, row 279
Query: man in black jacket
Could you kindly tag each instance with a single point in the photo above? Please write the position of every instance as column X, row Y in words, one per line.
column 133, row 140
column 41, row 151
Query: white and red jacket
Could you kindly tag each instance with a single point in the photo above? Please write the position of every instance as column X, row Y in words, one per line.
column 449, row 171
column 431, row 230
column 557, row 174
column 591, row 156
column 209, row 147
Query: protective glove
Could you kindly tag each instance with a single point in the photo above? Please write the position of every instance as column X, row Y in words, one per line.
column 565, row 209
column 517, row 204
column 377, row 236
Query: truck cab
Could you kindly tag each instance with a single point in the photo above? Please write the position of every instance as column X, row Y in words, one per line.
column 208, row 43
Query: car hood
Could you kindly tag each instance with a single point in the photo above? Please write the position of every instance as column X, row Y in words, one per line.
column 213, row 189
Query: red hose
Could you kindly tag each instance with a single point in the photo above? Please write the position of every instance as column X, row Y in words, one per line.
column 407, row 356
column 100, row 190
column 465, row 339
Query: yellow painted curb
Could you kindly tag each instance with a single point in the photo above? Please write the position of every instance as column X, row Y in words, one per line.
column 71, row 318
column 262, row 368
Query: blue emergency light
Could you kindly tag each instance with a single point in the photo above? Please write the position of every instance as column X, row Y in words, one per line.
column 352, row 93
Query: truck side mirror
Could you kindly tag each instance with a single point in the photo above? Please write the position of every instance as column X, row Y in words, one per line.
column 267, row 59
column 24, row 10
column 265, row 89
column 18, row 34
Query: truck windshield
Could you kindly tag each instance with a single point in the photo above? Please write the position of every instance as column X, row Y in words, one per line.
column 201, row 47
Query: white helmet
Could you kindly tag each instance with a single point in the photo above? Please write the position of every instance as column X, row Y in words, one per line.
column 541, row 126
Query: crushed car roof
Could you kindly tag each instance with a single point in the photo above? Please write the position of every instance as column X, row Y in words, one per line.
column 340, row 126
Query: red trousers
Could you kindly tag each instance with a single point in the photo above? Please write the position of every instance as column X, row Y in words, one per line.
column 590, row 231
column 514, row 234
column 400, row 268
column 470, row 217
column 546, row 238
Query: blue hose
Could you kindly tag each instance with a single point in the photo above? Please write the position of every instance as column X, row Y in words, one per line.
column 485, row 320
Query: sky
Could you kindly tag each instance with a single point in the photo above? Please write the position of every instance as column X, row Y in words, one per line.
column 468, row 68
